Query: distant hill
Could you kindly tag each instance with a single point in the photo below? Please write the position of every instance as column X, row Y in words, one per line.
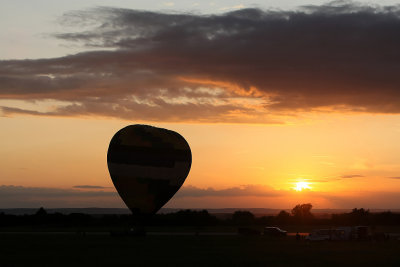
column 223, row 211
column 92, row 211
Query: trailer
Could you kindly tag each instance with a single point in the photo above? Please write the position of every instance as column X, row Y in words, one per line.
column 341, row 234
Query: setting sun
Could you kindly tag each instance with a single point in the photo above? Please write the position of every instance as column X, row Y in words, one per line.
column 301, row 186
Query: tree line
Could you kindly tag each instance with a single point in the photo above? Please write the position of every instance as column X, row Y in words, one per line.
column 300, row 215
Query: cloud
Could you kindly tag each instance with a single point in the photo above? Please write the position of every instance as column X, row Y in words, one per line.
column 17, row 191
column 322, row 180
column 349, row 176
column 168, row 3
column 361, row 199
column 89, row 187
column 245, row 190
column 32, row 197
column 266, row 197
column 336, row 178
column 247, row 65
column 240, row 6
column 396, row 177
column 246, row 196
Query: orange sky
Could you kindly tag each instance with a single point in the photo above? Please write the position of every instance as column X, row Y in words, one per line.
column 265, row 98
column 343, row 157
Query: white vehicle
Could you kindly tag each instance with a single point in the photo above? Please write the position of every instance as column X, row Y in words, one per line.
column 320, row 235
column 340, row 233
column 274, row 231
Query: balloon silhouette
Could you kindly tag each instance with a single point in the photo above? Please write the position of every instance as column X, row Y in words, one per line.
column 147, row 165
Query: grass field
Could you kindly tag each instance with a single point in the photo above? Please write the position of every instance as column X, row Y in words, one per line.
column 24, row 249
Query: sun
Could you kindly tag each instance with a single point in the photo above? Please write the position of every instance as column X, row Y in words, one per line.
column 301, row 186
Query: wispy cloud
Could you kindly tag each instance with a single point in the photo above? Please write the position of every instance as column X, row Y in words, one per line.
column 239, row 6
column 272, row 198
column 247, row 65
column 336, row 178
column 245, row 190
column 26, row 197
column 89, row 187
column 169, row 4
column 349, row 176
column 320, row 180
column 190, row 197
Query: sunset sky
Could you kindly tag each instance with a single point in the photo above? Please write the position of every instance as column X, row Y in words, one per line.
column 267, row 93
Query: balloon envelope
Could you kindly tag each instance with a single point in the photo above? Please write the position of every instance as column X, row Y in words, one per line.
column 147, row 165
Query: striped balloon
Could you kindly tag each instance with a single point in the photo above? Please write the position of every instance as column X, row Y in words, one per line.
column 148, row 165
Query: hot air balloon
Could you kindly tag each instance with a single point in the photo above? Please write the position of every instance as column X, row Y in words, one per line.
column 147, row 165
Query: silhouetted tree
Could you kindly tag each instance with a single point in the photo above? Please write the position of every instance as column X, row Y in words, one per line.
column 265, row 220
column 184, row 218
column 41, row 212
column 360, row 212
column 386, row 218
column 283, row 218
column 302, row 213
column 40, row 216
column 360, row 216
column 243, row 217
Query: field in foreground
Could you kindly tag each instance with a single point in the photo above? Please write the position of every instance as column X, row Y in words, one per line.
column 103, row 250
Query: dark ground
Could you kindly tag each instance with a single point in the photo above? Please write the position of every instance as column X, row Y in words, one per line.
column 24, row 249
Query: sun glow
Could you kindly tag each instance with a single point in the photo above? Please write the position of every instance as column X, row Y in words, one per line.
column 300, row 186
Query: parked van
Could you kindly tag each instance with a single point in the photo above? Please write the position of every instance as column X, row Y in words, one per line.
column 274, row 232
column 320, row 235
column 340, row 233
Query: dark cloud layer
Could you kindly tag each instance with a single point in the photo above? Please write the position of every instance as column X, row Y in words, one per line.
column 349, row 176
column 89, row 187
column 246, row 65
column 21, row 191
column 28, row 197
column 247, row 190
column 84, row 195
column 33, row 197
column 336, row 178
